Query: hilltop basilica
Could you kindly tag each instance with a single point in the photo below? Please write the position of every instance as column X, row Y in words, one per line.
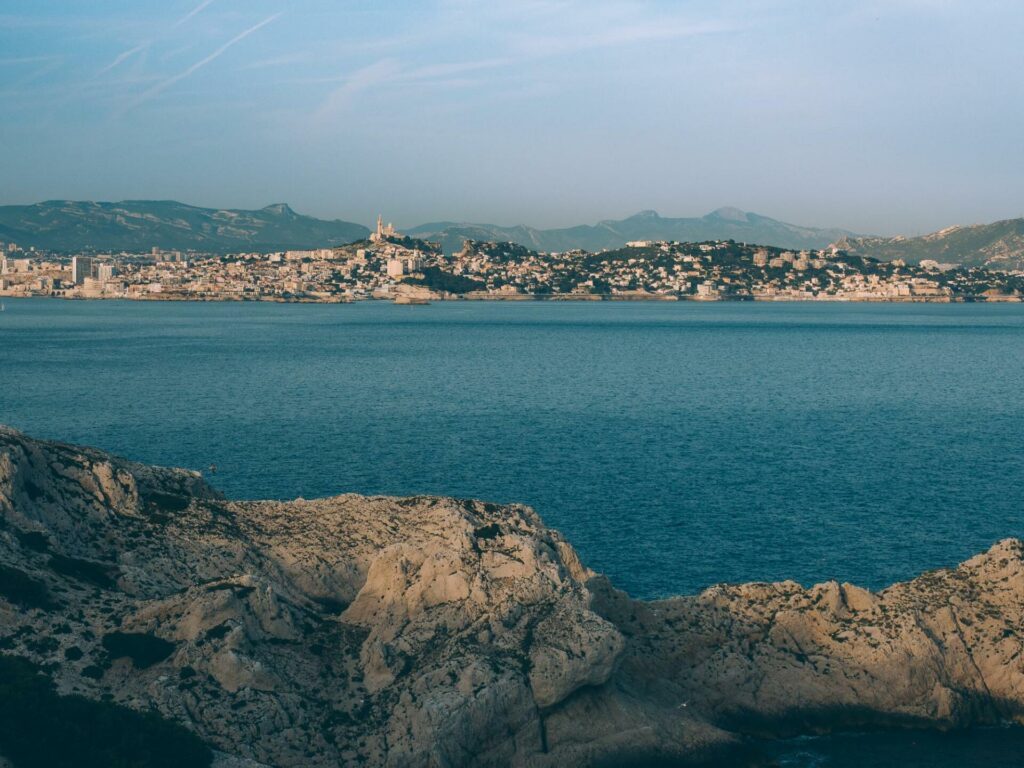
column 383, row 232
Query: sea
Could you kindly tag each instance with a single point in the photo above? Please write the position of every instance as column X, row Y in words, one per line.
column 675, row 444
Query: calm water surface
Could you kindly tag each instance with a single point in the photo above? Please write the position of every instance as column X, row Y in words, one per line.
column 676, row 445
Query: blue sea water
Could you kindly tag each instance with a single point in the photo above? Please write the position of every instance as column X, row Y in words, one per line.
column 675, row 444
column 977, row 748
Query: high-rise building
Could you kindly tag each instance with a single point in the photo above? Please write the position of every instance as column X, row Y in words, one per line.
column 105, row 272
column 81, row 268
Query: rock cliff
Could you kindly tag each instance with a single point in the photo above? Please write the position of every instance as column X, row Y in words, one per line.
column 437, row 632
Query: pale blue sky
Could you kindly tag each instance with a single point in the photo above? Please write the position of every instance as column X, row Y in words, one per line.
column 875, row 115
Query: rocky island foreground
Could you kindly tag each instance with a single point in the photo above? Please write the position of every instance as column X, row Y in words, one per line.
column 439, row 632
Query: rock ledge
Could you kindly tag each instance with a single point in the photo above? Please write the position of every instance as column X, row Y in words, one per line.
column 440, row 632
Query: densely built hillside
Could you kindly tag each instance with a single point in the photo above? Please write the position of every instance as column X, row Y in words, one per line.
column 999, row 245
column 136, row 225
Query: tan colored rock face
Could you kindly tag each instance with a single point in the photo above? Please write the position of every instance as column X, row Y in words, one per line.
column 437, row 632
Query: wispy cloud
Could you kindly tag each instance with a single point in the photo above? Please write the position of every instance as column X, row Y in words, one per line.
column 50, row 64
column 444, row 71
column 16, row 60
column 360, row 80
column 165, row 84
column 321, row 53
column 15, row 21
column 191, row 13
column 525, row 32
column 617, row 35
column 124, row 56
column 286, row 59
column 396, row 71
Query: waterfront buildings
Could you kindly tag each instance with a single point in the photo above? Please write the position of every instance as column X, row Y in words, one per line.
column 393, row 264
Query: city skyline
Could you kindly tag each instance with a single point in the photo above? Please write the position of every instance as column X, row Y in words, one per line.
column 894, row 117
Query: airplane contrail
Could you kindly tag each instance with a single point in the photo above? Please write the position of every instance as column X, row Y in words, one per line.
column 122, row 56
column 203, row 62
column 190, row 14
column 142, row 46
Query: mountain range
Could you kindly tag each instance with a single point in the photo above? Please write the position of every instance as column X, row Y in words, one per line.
column 999, row 245
column 141, row 224
column 722, row 224
column 138, row 225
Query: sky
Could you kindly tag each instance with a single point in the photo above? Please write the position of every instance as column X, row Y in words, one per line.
column 878, row 116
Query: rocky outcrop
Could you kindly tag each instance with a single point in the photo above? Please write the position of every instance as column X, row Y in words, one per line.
column 438, row 632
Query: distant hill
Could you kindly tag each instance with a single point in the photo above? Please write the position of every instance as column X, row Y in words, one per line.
column 723, row 224
column 997, row 246
column 137, row 225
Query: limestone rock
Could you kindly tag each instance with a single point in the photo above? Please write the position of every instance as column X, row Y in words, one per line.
column 440, row 632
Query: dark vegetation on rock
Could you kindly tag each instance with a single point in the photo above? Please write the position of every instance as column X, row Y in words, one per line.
column 143, row 648
column 437, row 279
column 22, row 590
column 40, row 729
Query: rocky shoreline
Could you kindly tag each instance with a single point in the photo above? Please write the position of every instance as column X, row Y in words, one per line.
column 441, row 632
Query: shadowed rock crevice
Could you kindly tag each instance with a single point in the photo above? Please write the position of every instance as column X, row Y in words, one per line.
column 440, row 632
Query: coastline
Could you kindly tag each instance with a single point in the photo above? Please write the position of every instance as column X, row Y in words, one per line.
column 431, row 630
column 555, row 298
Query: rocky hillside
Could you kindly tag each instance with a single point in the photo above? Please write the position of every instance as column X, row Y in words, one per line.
column 723, row 224
column 437, row 632
column 138, row 225
column 995, row 246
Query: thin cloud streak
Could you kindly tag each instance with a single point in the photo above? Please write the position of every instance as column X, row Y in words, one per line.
column 165, row 84
column 348, row 47
column 523, row 48
column 374, row 74
column 625, row 35
column 54, row 64
column 396, row 72
column 124, row 56
column 191, row 13
column 27, row 60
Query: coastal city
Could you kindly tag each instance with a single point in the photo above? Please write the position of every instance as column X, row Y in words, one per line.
column 391, row 266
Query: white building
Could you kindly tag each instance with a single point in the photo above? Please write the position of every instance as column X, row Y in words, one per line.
column 706, row 290
column 383, row 231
